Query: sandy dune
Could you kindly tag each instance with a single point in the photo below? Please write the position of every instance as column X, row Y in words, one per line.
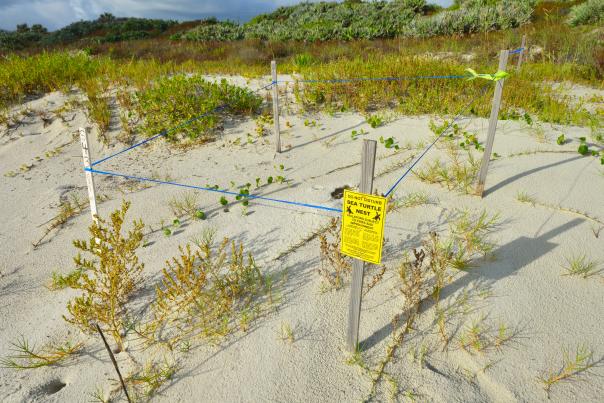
column 522, row 287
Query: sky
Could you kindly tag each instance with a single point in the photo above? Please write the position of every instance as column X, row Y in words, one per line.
column 55, row 14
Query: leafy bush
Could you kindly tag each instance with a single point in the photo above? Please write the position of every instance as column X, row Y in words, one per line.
column 170, row 101
column 108, row 280
column 469, row 19
column 590, row 12
column 215, row 31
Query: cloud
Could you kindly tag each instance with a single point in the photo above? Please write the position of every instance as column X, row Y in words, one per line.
column 55, row 14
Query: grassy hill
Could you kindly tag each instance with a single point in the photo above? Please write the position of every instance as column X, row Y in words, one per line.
column 356, row 19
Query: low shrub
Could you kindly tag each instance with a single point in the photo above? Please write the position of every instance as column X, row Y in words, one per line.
column 590, row 12
column 206, row 291
column 109, row 278
column 171, row 101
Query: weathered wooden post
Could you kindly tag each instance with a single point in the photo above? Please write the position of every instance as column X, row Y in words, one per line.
column 484, row 167
column 521, row 54
column 276, row 105
column 358, row 266
column 88, row 174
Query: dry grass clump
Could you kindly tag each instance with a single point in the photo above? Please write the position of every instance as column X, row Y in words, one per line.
column 581, row 266
column 525, row 198
column 208, row 291
column 68, row 209
column 335, row 267
column 109, row 278
column 460, row 169
column 28, row 356
column 98, row 107
column 184, row 204
column 286, row 333
column 413, row 275
column 470, row 237
column 573, row 365
column 424, row 275
column 150, row 378
column 480, row 337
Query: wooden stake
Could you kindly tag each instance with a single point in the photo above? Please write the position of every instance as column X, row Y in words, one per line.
column 117, row 369
column 276, row 105
column 88, row 174
column 523, row 47
column 358, row 266
column 482, row 177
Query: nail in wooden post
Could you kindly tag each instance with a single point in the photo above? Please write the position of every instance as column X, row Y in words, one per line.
column 276, row 105
column 358, row 266
column 89, row 178
column 521, row 54
column 484, row 167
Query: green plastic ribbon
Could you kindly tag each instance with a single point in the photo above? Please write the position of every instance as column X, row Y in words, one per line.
column 491, row 77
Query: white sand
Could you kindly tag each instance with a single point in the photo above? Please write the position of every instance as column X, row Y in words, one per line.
column 524, row 284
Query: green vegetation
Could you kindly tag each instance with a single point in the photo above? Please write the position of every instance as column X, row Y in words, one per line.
column 109, row 278
column 106, row 28
column 589, row 12
column 191, row 96
column 28, row 356
column 572, row 366
column 355, row 19
column 581, row 266
column 205, row 291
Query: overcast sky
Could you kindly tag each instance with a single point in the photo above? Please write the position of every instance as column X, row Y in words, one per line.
column 55, row 14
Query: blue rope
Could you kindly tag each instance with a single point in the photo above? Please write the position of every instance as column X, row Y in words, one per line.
column 165, row 132
column 351, row 80
column 483, row 90
column 142, row 179
column 516, row 51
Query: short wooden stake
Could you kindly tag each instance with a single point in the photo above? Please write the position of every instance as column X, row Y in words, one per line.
column 358, row 266
column 521, row 54
column 117, row 369
column 484, row 167
column 276, row 105
column 88, row 174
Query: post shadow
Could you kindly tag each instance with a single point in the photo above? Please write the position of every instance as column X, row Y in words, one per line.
column 325, row 137
column 511, row 257
column 514, row 178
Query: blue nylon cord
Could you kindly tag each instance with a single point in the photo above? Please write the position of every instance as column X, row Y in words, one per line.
column 143, row 179
column 438, row 138
column 516, row 51
column 351, row 80
column 165, row 132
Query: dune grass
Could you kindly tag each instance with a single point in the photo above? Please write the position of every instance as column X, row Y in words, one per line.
column 28, row 356
column 581, row 266
column 573, row 365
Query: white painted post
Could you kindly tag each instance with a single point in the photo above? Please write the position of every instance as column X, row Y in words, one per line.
column 88, row 174
column 276, row 105
column 484, row 167
column 358, row 266
column 521, row 54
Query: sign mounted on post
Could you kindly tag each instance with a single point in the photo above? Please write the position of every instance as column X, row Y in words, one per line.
column 363, row 218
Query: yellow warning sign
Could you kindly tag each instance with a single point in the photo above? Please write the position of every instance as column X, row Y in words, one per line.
column 363, row 218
